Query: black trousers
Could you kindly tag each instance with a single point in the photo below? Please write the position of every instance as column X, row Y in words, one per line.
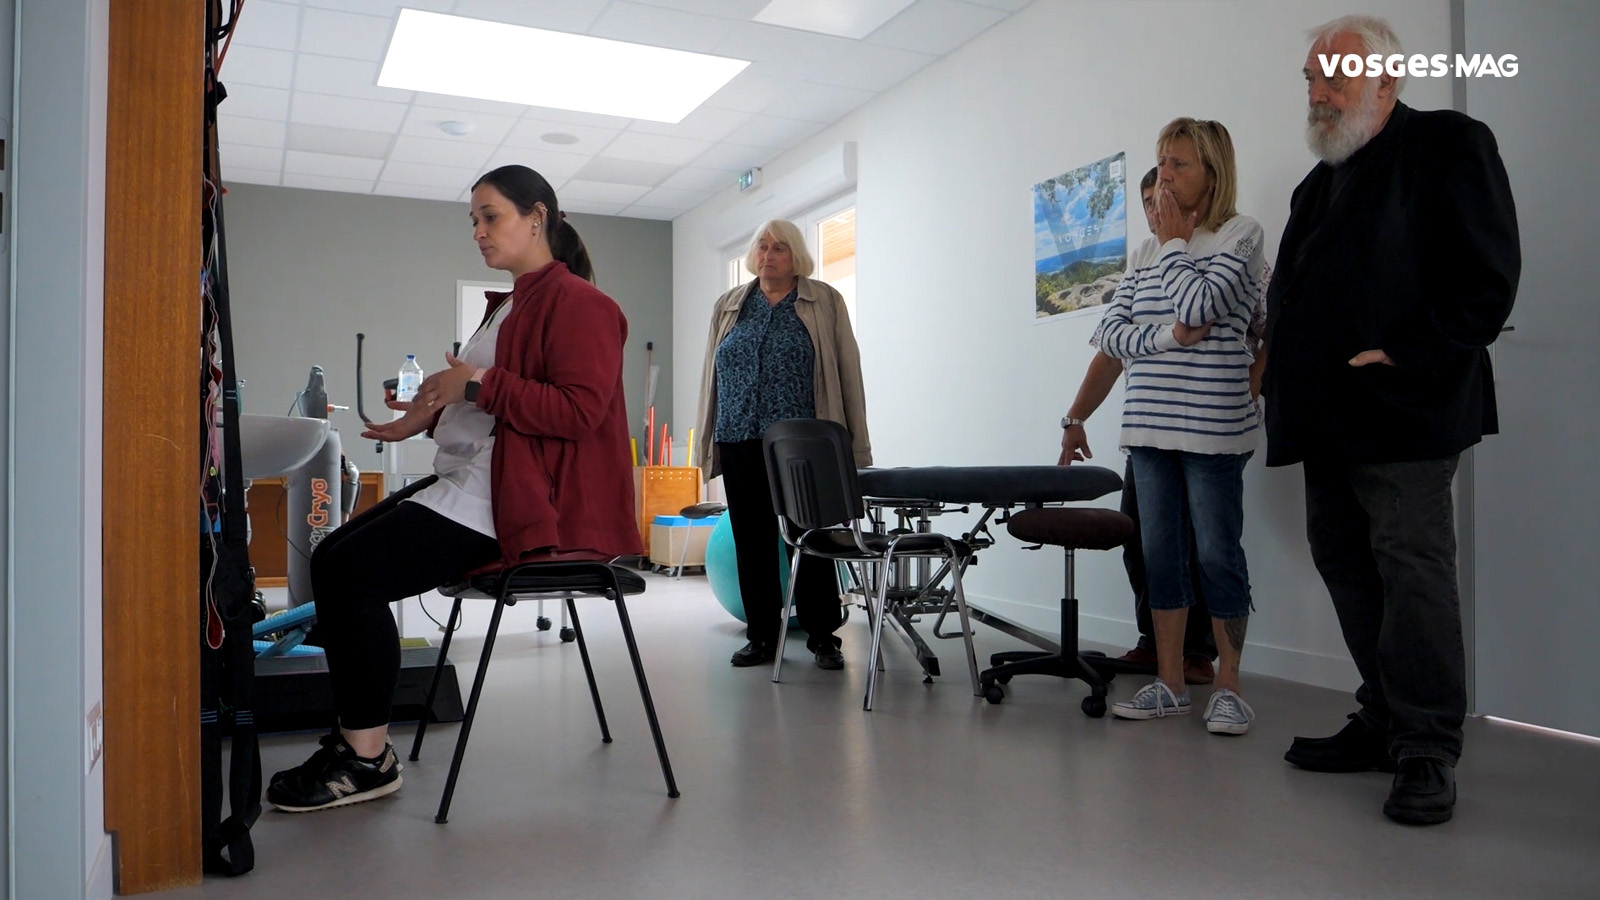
column 1383, row 538
column 392, row 551
column 756, row 541
column 1198, row 638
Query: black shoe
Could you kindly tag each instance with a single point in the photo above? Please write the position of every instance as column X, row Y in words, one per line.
column 335, row 776
column 1358, row 747
column 829, row 657
column 1424, row 792
column 754, row 654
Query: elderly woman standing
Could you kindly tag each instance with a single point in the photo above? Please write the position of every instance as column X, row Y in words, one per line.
column 780, row 348
column 1189, row 420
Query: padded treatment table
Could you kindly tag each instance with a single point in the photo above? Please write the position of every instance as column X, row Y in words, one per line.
column 914, row 495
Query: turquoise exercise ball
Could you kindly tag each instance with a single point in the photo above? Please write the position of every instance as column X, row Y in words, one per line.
column 722, row 568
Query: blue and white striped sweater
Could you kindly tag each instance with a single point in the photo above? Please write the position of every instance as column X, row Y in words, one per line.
column 1195, row 399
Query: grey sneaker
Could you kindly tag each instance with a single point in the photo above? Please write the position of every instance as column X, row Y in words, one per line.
column 1155, row 700
column 1227, row 713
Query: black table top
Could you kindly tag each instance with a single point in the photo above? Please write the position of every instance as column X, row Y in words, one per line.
column 993, row 485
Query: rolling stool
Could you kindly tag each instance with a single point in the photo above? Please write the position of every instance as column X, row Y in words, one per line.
column 1071, row 528
column 695, row 513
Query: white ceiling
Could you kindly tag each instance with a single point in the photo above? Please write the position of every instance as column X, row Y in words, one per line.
column 304, row 109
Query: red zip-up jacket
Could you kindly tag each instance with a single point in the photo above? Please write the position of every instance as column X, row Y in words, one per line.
column 561, row 470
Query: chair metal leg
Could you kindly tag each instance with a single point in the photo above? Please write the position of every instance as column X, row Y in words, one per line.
column 683, row 558
column 783, row 623
column 877, row 634
column 956, row 571
column 588, row 671
column 472, row 710
column 433, row 686
column 644, row 687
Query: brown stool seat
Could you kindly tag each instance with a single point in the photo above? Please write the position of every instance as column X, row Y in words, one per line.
column 703, row 510
column 1071, row 527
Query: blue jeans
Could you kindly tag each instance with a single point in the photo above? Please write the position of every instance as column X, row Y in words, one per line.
column 1214, row 486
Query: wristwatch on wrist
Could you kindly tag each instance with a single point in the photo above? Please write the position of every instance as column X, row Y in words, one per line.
column 1068, row 421
column 470, row 392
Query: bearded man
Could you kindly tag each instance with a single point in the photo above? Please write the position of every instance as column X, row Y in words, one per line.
column 1397, row 268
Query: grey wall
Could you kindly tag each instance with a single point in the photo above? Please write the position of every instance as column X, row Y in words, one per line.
column 8, row 12
column 309, row 269
column 1537, row 495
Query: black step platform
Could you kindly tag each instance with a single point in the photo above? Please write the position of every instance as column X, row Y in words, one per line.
column 293, row 693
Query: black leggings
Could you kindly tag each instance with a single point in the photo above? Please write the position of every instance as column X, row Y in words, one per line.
column 392, row 551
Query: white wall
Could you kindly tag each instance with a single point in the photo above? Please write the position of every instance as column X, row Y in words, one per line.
column 944, row 237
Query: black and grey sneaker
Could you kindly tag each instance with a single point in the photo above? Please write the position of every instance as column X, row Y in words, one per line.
column 335, row 776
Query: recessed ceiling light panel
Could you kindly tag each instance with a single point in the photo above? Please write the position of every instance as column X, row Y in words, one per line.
column 466, row 57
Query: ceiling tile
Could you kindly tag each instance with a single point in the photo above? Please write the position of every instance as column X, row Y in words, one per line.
column 258, row 66
column 340, row 141
column 423, row 121
column 261, row 158
column 266, row 24
column 255, row 102
column 442, row 152
column 529, row 133
column 327, row 183
column 853, row 19
column 551, row 164
column 381, row 7
column 936, row 26
column 568, row 15
column 254, row 132
column 470, row 104
column 428, row 175
column 346, row 112
column 824, row 103
column 654, row 148
column 579, row 191
column 625, row 171
column 299, row 162
column 775, row 132
column 647, row 212
column 417, row 191
column 704, row 124
column 344, row 77
column 734, row 157
column 690, row 178
column 249, row 176
column 670, row 198
column 347, row 35
column 727, row 9
column 748, row 92
column 661, row 27
column 576, row 117
column 1007, row 5
column 593, row 208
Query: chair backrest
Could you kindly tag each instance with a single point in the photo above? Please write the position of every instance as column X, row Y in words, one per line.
column 812, row 473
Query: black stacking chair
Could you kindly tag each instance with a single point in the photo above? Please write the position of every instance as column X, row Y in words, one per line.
column 816, row 492
column 505, row 586
column 1071, row 528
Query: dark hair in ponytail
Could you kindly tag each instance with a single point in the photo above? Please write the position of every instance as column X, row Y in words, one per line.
column 526, row 189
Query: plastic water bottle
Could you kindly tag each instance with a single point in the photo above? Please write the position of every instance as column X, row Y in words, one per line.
column 410, row 379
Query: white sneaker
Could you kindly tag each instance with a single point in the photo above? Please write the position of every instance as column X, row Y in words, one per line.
column 1155, row 700
column 1227, row 713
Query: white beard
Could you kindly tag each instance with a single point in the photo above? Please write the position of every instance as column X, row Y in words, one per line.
column 1350, row 130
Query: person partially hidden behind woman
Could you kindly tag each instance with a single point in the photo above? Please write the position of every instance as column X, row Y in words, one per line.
column 780, row 348
column 533, row 463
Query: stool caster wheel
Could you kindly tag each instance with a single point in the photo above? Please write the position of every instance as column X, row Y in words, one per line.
column 993, row 693
column 1094, row 707
column 1003, row 679
column 567, row 635
column 542, row 623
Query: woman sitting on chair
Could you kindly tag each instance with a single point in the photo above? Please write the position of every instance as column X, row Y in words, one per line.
column 533, row 463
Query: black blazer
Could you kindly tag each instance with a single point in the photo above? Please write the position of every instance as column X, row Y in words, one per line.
column 1417, row 255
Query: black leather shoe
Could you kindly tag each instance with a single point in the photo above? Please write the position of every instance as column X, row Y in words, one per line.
column 1424, row 792
column 754, row 654
column 1358, row 747
column 829, row 657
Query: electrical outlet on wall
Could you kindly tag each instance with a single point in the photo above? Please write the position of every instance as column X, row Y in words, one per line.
column 94, row 737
